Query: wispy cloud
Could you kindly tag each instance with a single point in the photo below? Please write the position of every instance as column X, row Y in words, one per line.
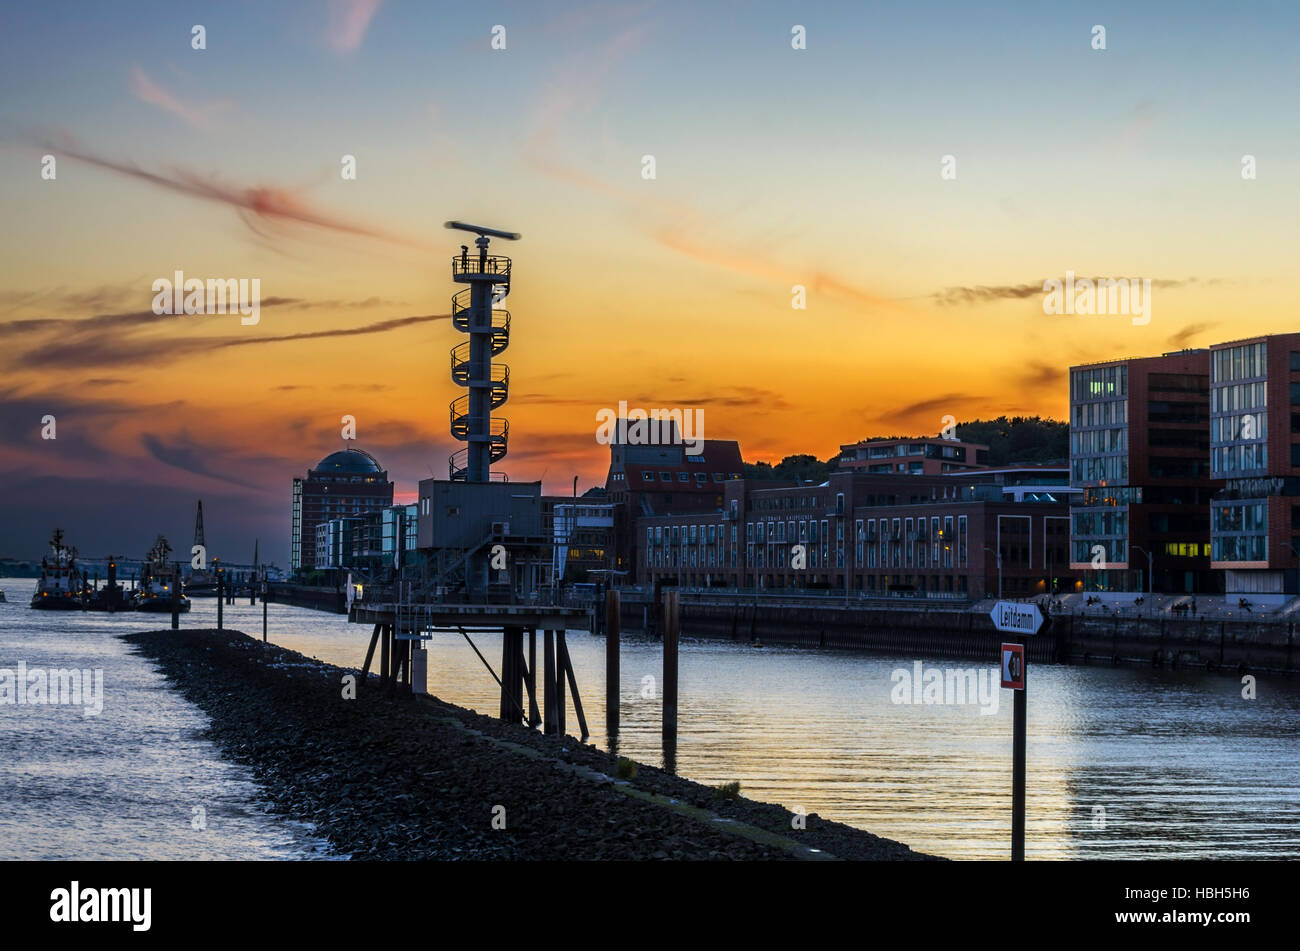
column 197, row 115
column 260, row 207
column 347, row 22
column 986, row 293
column 109, row 346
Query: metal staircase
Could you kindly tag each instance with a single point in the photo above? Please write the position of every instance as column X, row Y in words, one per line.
column 473, row 313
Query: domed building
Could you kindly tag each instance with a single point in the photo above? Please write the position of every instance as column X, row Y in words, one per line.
column 349, row 483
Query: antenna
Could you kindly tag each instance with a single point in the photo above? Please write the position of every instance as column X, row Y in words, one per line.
column 482, row 231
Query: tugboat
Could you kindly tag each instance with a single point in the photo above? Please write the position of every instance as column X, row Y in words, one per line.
column 159, row 580
column 111, row 597
column 62, row 586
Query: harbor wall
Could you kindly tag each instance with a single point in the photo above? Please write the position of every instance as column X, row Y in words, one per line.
column 1206, row 644
column 308, row 596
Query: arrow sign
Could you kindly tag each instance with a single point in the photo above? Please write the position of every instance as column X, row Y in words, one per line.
column 1013, row 617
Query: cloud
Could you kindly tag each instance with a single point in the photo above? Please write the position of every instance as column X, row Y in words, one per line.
column 987, row 293
column 1040, row 374
column 197, row 115
column 261, row 207
column 347, row 22
column 183, row 452
column 1182, row 338
column 981, row 293
column 110, row 347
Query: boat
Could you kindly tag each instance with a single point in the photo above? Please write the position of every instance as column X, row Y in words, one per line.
column 112, row 596
column 160, row 589
column 62, row 586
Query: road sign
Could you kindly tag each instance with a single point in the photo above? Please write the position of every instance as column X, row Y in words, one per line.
column 1013, row 666
column 1013, row 617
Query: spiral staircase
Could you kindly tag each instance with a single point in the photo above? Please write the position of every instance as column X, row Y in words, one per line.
column 473, row 313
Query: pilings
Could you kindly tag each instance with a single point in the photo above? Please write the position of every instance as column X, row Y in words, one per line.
column 613, row 626
column 221, row 598
column 672, row 609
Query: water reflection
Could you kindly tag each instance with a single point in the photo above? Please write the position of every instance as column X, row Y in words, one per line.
column 1122, row 763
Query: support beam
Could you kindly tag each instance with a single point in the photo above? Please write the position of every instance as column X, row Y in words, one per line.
column 562, row 648
column 370, row 651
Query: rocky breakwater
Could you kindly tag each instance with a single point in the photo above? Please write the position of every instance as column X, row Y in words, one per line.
column 387, row 775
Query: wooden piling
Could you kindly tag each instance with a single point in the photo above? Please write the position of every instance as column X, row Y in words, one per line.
column 533, row 717
column 559, row 682
column 384, row 638
column 671, row 618
column 613, row 622
column 548, row 683
column 512, row 674
column 372, row 644
column 220, row 597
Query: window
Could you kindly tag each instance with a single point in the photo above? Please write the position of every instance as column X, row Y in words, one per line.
column 666, row 476
column 683, row 477
column 648, row 476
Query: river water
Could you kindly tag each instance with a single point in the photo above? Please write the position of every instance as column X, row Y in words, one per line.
column 1122, row 763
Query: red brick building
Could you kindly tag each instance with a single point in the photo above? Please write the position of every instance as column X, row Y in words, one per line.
column 924, row 455
column 924, row 536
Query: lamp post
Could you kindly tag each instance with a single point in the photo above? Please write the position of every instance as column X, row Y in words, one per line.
column 997, row 552
column 1150, row 579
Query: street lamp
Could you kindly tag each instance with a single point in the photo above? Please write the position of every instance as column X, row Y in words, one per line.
column 998, row 552
column 1150, row 579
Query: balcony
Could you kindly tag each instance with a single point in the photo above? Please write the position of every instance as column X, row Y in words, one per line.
column 474, row 267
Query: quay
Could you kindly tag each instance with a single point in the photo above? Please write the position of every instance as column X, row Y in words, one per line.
column 386, row 774
column 1210, row 642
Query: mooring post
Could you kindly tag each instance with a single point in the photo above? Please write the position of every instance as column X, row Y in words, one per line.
column 384, row 641
column 372, row 645
column 559, row 681
column 613, row 621
column 220, row 597
column 176, row 599
column 671, row 618
column 1018, row 743
column 548, row 682
column 512, row 677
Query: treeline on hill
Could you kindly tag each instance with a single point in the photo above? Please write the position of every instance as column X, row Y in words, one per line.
column 1014, row 441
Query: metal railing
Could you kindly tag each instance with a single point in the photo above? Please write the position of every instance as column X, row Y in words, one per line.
column 473, row 264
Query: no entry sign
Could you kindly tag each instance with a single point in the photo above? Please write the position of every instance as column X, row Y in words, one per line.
column 1013, row 666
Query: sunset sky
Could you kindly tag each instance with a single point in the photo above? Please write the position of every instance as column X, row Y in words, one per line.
column 774, row 167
